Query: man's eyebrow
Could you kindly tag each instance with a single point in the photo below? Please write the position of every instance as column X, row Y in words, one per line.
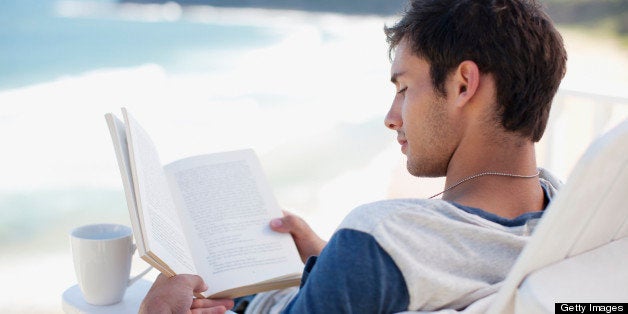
column 394, row 76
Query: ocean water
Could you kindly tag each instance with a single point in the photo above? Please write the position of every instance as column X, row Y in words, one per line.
column 42, row 42
column 44, row 39
column 199, row 79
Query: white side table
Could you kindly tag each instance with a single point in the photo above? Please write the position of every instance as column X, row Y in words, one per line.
column 73, row 302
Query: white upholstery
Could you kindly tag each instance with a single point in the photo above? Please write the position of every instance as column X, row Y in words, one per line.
column 579, row 250
column 599, row 275
column 590, row 212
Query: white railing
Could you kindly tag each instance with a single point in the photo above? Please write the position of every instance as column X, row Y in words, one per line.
column 577, row 118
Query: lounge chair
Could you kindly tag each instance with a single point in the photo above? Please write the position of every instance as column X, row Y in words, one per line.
column 579, row 250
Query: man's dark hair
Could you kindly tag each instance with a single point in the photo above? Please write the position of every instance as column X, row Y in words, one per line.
column 514, row 40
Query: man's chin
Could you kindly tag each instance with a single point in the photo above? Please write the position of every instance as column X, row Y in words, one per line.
column 424, row 171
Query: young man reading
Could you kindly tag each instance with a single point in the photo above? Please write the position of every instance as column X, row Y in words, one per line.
column 475, row 80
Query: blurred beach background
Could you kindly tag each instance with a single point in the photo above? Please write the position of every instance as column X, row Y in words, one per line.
column 307, row 90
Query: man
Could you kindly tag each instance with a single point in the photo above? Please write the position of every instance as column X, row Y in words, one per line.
column 475, row 80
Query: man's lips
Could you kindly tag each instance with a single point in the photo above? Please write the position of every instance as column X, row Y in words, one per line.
column 403, row 143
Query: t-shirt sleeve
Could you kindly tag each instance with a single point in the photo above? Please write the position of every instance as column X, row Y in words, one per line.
column 353, row 274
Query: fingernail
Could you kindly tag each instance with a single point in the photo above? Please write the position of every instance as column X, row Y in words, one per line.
column 276, row 223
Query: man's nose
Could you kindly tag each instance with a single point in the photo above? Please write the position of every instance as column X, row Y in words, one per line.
column 393, row 118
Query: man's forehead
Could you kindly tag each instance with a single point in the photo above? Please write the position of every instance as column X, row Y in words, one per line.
column 402, row 56
column 397, row 60
column 400, row 51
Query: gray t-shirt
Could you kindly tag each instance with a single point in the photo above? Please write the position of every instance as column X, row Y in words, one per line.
column 414, row 254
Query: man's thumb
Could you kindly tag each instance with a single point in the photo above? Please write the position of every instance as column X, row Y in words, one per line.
column 279, row 225
column 198, row 284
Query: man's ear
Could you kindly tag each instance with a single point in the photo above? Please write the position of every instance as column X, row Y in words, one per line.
column 465, row 82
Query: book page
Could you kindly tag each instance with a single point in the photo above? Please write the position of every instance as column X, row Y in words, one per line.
column 228, row 204
column 118, row 136
column 117, row 130
column 162, row 229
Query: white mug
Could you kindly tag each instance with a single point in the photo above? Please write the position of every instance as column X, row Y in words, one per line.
column 102, row 261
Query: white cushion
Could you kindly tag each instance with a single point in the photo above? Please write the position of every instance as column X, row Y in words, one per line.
column 599, row 275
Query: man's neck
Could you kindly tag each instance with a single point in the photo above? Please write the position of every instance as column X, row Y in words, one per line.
column 504, row 196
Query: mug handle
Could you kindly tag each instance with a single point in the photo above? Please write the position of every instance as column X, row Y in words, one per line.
column 140, row 275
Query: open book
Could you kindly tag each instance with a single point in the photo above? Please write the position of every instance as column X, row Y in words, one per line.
column 206, row 215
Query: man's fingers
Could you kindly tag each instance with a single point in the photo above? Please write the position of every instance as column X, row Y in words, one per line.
column 290, row 223
column 278, row 225
column 211, row 310
column 207, row 303
column 199, row 284
column 307, row 241
column 161, row 278
column 194, row 282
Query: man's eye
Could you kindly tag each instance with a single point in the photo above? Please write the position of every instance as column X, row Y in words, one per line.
column 401, row 91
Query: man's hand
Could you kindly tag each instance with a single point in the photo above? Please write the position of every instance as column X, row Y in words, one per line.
column 176, row 295
column 308, row 243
